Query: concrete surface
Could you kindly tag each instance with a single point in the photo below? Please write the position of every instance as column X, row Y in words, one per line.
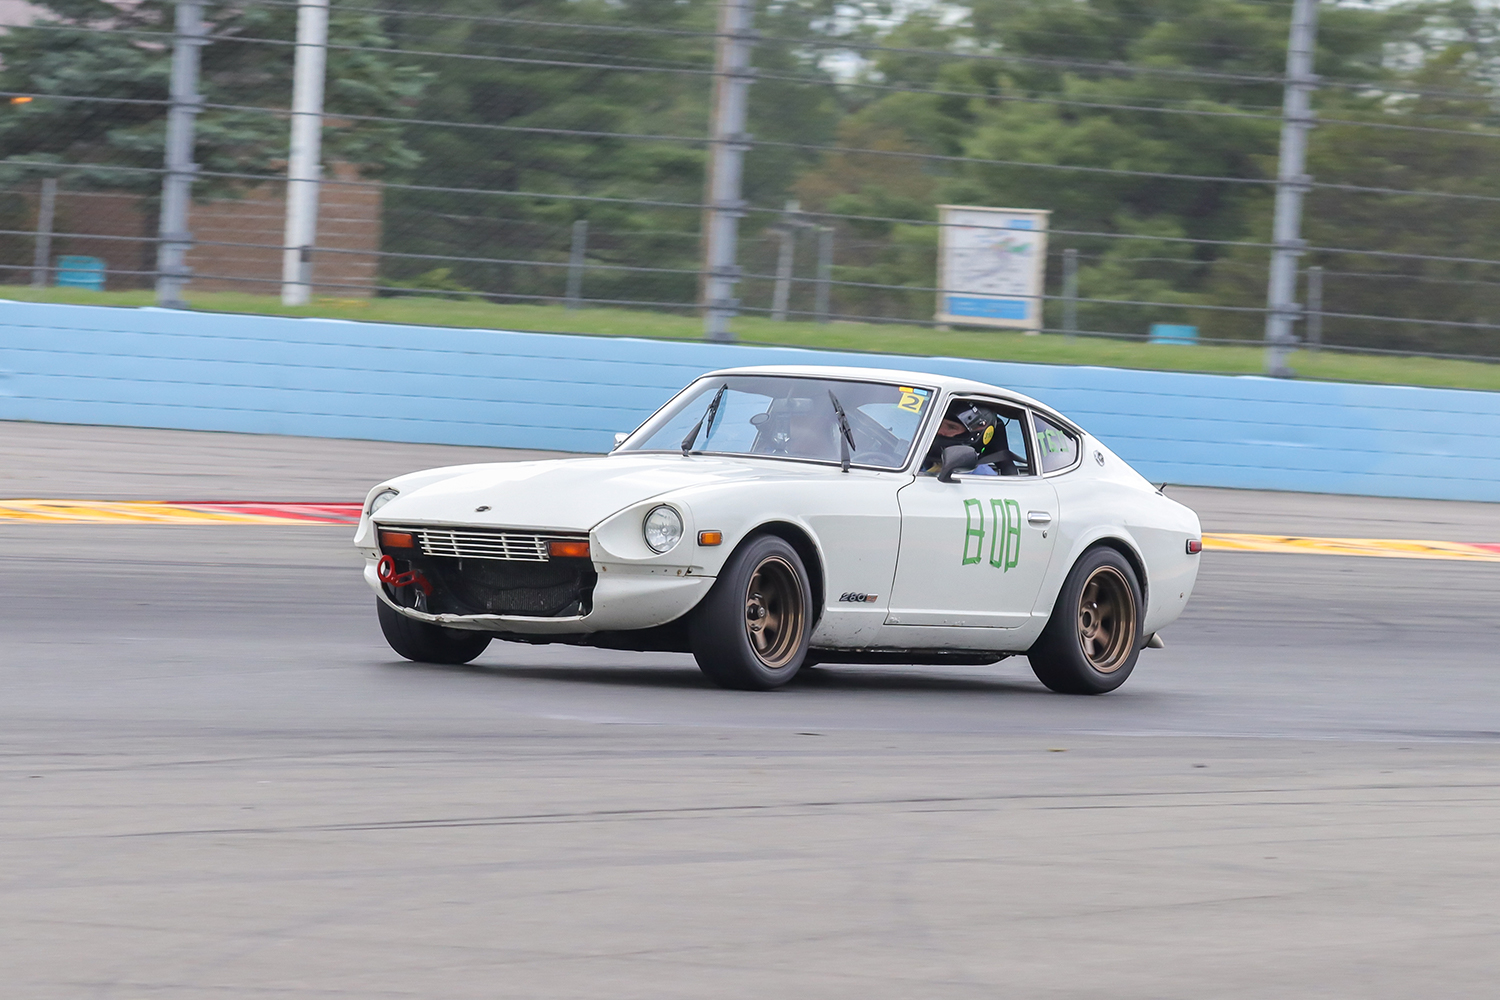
column 217, row 781
column 128, row 463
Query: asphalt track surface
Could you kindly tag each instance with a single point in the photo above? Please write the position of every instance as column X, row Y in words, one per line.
column 217, row 781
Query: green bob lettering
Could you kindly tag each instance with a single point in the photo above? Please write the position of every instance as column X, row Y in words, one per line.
column 1004, row 532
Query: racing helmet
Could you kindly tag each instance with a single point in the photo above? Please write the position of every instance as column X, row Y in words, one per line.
column 979, row 427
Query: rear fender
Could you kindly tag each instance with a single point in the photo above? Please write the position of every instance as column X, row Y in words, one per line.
column 1110, row 535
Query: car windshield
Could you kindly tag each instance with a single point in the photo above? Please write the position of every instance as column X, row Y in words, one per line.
column 784, row 416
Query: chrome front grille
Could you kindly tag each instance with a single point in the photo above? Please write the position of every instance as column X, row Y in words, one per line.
column 481, row 543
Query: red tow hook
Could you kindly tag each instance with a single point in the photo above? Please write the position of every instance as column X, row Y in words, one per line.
column 386, row 571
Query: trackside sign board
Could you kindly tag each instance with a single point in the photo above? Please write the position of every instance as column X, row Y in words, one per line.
column 991, row 266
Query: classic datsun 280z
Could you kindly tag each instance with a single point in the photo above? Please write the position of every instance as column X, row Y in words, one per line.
column 769, row 518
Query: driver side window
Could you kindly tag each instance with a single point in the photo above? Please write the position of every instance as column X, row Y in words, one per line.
column 1016, row 440
column 1000, row 438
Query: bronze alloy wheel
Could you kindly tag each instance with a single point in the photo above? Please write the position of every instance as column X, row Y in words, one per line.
column 774, row 612
column 1106, row 619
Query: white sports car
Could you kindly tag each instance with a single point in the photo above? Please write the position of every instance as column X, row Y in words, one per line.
column 769, row 518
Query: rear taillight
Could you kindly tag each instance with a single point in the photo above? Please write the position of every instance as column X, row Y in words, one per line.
column 1194, row 546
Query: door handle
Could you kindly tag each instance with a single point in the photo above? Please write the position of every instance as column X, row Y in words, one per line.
column 1038, row 517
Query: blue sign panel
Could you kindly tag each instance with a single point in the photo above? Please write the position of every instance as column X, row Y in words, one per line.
column 1173, row 333
column 80, row 272
column 960, row 305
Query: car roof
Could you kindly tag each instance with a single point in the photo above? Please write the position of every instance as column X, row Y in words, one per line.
column 948, row 383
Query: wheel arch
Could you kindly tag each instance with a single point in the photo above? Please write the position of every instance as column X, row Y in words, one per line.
column 1131, row 555
column 799, row 538
column 1101, row 537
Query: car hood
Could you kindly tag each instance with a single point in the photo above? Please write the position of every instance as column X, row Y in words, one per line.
column 572, row 494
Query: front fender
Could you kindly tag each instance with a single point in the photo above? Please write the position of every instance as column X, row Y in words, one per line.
column 846, row 527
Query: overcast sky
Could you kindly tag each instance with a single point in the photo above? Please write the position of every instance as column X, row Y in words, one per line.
column 15, row 12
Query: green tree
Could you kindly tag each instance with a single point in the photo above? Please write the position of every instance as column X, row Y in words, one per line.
column 1035, row 103
column 114, row 60
column 517, row 77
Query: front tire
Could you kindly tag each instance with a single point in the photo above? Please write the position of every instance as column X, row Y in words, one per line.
column 427, row 643
column 1093, row 638
column 751, row 631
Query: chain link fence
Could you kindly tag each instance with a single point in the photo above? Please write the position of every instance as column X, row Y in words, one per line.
column 555, row 153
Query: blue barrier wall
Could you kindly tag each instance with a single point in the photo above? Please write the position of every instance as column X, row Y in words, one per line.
column 336, row 378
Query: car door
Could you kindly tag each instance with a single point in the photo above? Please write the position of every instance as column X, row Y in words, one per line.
column 974, row 552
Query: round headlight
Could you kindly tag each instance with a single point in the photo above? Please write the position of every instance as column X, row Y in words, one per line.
column 663, row 528
column 381, row 499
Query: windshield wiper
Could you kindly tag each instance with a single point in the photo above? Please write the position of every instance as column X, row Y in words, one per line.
column 846, row 436
column 713, row 408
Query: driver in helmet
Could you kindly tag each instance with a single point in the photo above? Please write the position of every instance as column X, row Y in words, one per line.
column 976, row 426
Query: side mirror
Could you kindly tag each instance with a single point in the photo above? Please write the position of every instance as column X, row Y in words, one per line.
column 956, row 457
column 620, row 437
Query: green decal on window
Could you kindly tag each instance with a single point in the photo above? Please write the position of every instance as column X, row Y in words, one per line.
column 1055, row 442
column 1005, row 543
column 974, row 531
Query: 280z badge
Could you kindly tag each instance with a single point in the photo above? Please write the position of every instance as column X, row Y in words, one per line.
column 855, row 597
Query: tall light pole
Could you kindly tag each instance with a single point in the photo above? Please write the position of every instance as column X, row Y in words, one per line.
column 304, row 165
column 1292, row 183
column 172, row 271
column 46, row 217
column 726, row 161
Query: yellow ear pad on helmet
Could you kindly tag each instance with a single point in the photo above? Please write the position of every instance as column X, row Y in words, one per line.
column 989, row 434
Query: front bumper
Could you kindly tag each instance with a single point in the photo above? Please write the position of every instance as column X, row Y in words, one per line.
column 624, row 598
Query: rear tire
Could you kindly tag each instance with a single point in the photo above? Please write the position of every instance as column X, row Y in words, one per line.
column 427, row 643
column 751, row 631
column 1093, row 638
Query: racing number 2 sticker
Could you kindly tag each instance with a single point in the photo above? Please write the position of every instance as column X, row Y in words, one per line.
column 1004, row 533
column 912, row 400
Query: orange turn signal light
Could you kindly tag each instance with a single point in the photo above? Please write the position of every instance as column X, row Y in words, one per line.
column 568, row 550
column 398, row 540
column 710, row 538
column 20, row 100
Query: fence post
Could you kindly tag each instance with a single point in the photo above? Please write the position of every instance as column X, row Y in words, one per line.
column 727, row 145
column 825, row 272
column 784, row 262
column 304, row 163
column 1292, row 183
column 575, row 262
column 1314, row 308
column 1070, row 293
column 46, row 214
column 172, row 272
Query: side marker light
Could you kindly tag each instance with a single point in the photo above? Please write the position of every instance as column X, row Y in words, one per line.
column 1194, row 546
column 398, row 540
column 568, row 550
column 710, row 538
column 20, row 100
